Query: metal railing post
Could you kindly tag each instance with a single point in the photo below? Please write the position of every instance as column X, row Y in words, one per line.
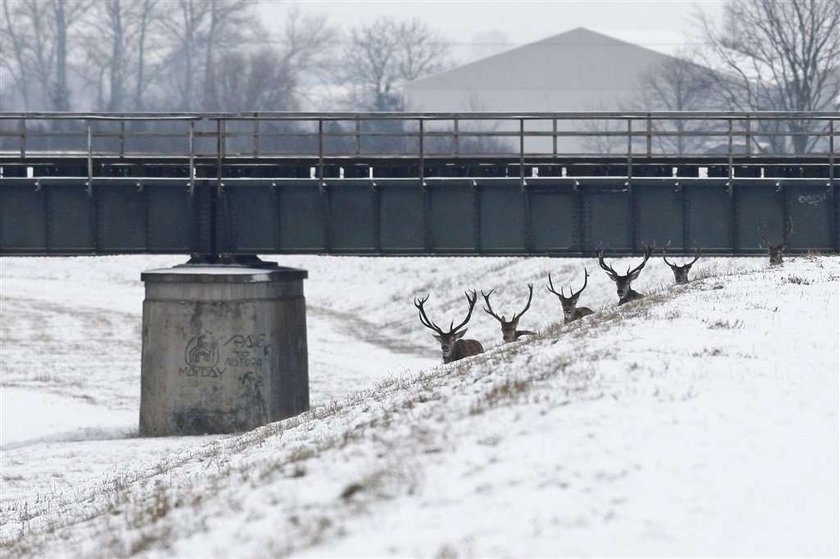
column 522, row 152
column 831, row 149
column 191, row 143
column 554, row 136
column 220, row 151
column 422, row 154
column 122, row 138
column 89, row 185
column 456, row 138
column 748, row 132
column 23, row 138
column 648, row 135
column 256, row 135
column 731, row 171
column 358, row 135
column 321, row 152
column 629, row 148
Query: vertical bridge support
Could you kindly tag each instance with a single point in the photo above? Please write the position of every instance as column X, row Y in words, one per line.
column 224, row 349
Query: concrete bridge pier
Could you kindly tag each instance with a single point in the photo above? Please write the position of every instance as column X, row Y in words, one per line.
column 224, row 348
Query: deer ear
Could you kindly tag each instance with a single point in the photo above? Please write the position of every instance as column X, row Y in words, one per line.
column 438, row 338
column 460, row 334
column 634, row 275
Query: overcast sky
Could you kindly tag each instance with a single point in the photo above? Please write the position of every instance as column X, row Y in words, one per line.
column 481, row 28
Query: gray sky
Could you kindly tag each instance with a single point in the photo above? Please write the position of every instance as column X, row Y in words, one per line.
column 479, row 29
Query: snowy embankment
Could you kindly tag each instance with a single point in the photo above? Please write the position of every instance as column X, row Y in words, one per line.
column 702, row 420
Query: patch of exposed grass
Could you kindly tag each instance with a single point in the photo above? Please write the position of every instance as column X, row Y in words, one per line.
column 725, row 324
column 797, row 280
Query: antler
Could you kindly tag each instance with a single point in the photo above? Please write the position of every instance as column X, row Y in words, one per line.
column 672, row 266
column 527, row 305
column 763, row 237
column 696, row 256
column 424, row 320
column 471, row 301
column 550, row 288
column 785, row 235
column 488, row 309
column 572, row 294
column 788, row 233
column 665, row 258
column 608, row 269
column 585, row 280
column 637, row 269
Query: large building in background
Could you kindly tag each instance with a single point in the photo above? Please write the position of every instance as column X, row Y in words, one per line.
column 579, row 70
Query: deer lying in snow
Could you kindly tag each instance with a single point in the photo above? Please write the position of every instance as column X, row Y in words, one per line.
column 509, row 331
column 622, row 283
column 775, row 251
column 681, row 272
column 451, row 344
column 570, row 310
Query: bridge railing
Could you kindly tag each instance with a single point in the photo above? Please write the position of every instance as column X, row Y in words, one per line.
column 519, row 138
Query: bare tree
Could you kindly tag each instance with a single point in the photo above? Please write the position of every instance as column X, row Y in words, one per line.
column 778, row 56
column 251, row 81
column 677, row 84
column 382, row 56
column 38, row 35
column 306, row 52
column 272, row 76
column 226, row 29
column 13, row 75
column 117, row 41
column 195, row 30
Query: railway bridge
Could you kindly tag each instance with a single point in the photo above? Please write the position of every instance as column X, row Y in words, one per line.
column 416, row 184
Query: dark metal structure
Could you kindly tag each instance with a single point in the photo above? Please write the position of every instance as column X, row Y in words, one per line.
column 417, row 183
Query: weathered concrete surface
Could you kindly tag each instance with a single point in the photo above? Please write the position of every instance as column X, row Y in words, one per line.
column 224, row 349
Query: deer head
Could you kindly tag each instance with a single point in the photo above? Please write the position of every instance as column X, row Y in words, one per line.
column 775, row 251
column 681, row 272
column 570, row 310
column 451, row 344
column 509, row 331
column 622, row 282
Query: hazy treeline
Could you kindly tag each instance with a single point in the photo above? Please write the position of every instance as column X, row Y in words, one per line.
column 199, row 55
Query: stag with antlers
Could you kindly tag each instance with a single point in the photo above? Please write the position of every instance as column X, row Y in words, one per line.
column 681, row 272
column 509, row 331
column 622, row 282
column 775, row 251
column 570, row 310
column 451, row 343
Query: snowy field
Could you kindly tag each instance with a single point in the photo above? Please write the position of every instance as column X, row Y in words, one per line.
column 702, row 420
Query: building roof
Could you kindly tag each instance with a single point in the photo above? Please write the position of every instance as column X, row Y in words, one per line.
column 579, row 59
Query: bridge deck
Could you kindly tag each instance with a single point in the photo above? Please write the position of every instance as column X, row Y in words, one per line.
column 406, row 199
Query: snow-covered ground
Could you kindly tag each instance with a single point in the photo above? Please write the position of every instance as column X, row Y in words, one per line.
column 701, row 421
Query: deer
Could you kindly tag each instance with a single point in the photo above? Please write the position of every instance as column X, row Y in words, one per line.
column 452, row 345
column 570, row 310
column 622, row 283
column 775, row 251
column 681, row 272
column 509, row 331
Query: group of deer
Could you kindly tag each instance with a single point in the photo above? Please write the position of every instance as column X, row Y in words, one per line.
column 455, row 347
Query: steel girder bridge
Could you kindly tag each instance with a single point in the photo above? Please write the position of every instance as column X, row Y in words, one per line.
column 389, row 184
